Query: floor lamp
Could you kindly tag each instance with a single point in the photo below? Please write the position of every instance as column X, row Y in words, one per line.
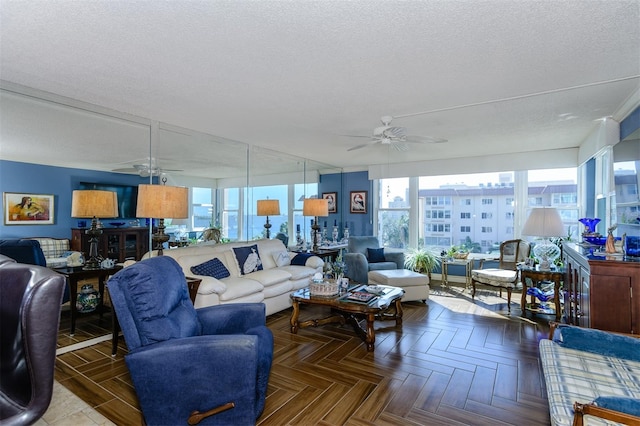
column 94, row 204
column 315, row 207
column 544, row 222
column 268, row 208
column 162, row 202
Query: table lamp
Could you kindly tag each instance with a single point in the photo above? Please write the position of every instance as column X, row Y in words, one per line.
column 315, row 207
column 93, row 204
column 161, row 202
column 268, row 208
column 544, row 222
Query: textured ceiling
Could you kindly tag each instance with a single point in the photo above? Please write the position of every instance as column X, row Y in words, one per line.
column 296, row 76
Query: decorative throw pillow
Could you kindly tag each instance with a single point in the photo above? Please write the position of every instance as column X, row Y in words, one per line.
column 300, row 259
column 248, row 259
column 211, row 268
column 600, row 342
column 282, row 258
column 619, row 403
column 375, row 255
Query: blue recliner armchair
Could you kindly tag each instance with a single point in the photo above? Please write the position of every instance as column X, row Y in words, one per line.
column 210, row 365
column 364, row 255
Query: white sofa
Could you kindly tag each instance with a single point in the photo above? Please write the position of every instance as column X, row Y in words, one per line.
column 272, row 285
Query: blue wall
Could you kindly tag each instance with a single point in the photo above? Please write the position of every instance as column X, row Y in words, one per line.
column 343, row 184
column 56, row 181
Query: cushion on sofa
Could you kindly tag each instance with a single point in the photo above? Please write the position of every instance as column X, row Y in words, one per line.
column 282, row 258
column 375, row 255
column 212, row 268
column 248, row 259
column 600, row 342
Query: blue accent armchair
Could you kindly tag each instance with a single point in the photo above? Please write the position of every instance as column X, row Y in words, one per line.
column 357, row 259
column 208, row 365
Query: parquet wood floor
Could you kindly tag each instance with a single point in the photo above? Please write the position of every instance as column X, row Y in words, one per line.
column 453, row 362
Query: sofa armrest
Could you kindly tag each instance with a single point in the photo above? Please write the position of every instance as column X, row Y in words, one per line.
column 394, row 256
column 314, row 262
column 357, row 267
column 232, row 318
column 581, row 410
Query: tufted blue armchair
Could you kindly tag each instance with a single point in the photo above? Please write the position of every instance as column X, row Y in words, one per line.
column 359, row 259
column 188, row 365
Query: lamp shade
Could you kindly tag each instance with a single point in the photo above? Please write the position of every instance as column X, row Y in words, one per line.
column 94, row 203
column 268, row 207
column 315, row 207
column 544, row 222
column 161, row 201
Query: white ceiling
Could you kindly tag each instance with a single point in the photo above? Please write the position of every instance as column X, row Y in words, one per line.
column 295, row 76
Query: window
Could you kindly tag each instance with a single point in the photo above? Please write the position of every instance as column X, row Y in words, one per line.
column 558, row 188
column 509, row 201
column 487, row 215
column 465, row 229
column 487, row 201
column 486, row 229
column 465, row 202
column 393, row 212
column 465, row 215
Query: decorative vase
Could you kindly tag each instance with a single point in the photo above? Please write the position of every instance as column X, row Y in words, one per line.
column 589, row 224
column 88, row 299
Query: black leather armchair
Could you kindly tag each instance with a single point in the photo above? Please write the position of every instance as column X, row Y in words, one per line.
column 30, row 299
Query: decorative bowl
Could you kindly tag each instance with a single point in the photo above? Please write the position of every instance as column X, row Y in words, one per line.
column 596, row 241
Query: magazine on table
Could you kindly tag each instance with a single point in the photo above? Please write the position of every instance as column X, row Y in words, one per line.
column 359, row 296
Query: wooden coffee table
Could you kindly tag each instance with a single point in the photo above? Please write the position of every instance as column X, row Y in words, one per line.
column 383, row 307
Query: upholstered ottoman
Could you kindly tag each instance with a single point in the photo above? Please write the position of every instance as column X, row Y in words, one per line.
column 415, row 285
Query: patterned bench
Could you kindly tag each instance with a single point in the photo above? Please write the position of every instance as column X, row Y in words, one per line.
column 574, row 375
column 56, row 250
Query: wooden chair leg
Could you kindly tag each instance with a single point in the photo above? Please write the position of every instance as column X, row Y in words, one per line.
column 509, row 299
column 473, row 287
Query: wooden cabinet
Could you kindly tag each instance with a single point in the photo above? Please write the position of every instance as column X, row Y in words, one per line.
column 599, row 292
column 119, row 244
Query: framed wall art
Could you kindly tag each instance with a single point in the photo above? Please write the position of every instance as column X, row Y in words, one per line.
column 358, row 201
column 27, row 209
column 332, row 199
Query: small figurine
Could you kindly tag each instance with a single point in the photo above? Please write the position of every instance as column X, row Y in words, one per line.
column 610, row 246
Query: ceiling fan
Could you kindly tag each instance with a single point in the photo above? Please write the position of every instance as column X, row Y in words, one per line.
column 147, row 169
column 394, row 136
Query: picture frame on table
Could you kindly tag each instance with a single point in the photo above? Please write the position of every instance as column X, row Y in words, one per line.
column 332, row 200
column 23, row 208
column 358, row 202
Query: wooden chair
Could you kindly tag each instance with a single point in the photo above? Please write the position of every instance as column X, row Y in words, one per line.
column 506, row 275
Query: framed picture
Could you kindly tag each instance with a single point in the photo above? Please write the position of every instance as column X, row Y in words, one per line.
column 332, row 199
column 27, row 209
column 358, row 201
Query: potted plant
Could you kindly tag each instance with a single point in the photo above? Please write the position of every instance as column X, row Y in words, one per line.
column 421, row 260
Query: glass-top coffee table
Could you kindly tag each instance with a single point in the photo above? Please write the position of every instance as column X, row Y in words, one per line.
column 385, row 305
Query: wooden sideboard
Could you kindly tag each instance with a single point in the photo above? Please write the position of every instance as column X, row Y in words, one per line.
column 599, row 291
column 119, row 244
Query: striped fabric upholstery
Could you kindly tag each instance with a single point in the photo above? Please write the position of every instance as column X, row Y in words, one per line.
column 53, row 249
column 573, row 375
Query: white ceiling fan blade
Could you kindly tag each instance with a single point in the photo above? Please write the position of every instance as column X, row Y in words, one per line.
column 125, row 170
column 360, row 146
column 423, row 139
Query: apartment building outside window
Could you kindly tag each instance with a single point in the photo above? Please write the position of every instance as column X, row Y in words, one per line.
column 479, row 209
column 394, row 210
